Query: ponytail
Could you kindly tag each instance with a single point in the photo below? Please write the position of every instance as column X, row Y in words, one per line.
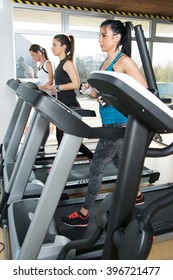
column 44, row 52
column 71, row 52
column 126, row 41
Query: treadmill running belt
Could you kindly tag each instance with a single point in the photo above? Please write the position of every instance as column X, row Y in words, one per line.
column 79, row 174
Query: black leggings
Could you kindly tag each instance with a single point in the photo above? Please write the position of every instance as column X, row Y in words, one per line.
column 59, row 135
column 107, row 150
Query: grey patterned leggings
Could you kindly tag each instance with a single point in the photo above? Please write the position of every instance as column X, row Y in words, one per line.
column 107, row 149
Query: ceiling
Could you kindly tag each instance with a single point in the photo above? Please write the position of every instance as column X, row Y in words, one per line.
column 149, row 7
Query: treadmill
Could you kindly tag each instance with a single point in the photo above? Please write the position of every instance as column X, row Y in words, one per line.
column 131, row 230
column 12, row 139
column 35, row 183
column 14, row 153
column 162, row 227
column 13, row 158
column 129, row 235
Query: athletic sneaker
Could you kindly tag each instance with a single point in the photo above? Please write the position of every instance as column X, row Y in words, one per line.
column 76, row 219
column 140, row 199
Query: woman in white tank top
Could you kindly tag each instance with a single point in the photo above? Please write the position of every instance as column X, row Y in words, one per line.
column 45, row 76
column 44, row 69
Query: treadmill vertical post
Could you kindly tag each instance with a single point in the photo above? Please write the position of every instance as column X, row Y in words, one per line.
column 9, row 183
column 19, row 179
column 50, row 196
column 13, row 121
column 17, row 133
column 134, row 149
column 145, row 57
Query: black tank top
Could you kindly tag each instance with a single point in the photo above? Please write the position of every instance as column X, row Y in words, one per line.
column 68, row 97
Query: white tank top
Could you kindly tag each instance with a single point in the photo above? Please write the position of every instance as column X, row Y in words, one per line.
column 42, row 74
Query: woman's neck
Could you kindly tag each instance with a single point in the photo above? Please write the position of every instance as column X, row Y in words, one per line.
column 61, row 56
column 42, row 60
column 111, row 55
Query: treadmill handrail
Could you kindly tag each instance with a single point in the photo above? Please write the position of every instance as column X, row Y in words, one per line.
column 145, row 58
column 62, row 116
column 126, row 94
column 13, row 84
column 160, row 152
column 134, row 99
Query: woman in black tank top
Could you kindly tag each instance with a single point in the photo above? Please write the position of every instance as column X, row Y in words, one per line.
column 66, row 76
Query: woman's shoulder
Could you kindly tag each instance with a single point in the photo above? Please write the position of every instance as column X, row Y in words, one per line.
column 123, row 62
column 47, row 62
column 124, row 58
column 69, row 64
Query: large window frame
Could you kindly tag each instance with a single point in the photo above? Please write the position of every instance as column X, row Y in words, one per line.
column 67, row 14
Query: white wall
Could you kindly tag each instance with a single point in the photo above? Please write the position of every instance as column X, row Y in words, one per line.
column 7, row 66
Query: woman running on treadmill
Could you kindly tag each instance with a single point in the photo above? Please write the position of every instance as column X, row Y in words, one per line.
column 115, row 39
column 44, row 74
column 66, row 75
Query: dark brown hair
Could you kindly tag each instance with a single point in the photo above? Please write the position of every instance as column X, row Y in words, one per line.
column 124, row 29
column 35, row 48
column 68, row 41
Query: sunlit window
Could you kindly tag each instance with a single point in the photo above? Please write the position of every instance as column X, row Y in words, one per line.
column 88, row 56
column 25, row 66
column 38, row 25
column 30, row 19
column 164, row 30
column 163, row 67
column 85, row 23
column 163, row 58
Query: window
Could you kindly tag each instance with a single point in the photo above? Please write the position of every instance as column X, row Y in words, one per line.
column 88, row 56
column 163, row 58
column 163, row 67
column 33, row 27
column 39, row 25
column 26, row 68
column 36, row 20
column 85, row 23
column 164, row 30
